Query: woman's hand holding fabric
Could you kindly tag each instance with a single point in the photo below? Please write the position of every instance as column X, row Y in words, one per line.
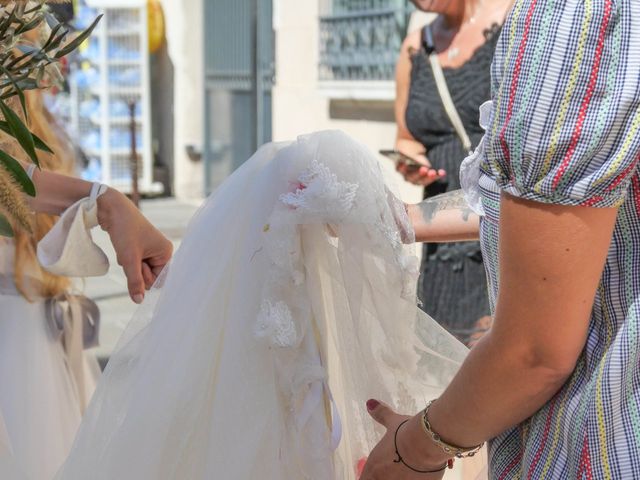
column 413, row 445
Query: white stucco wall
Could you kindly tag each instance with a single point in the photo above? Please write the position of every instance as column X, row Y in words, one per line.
column 185, row 39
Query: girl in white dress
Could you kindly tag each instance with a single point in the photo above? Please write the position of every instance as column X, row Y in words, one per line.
column 45, row 378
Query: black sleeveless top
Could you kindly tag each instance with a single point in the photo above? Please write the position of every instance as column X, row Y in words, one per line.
column 427, row 120
column 452, row 286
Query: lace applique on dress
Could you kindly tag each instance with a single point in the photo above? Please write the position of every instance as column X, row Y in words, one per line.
column 276, row 324
column 320, row 192
column 320, row 196
column 343, row 202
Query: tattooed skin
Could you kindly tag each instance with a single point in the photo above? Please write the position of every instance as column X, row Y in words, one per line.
column 447, row 201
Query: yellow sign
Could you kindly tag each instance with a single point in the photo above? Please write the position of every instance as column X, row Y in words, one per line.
column 156, row 25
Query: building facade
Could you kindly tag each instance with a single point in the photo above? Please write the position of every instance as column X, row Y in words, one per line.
column 318, row 64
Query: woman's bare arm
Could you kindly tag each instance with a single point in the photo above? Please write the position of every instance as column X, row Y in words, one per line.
column 551, row 260
column 405, row 142
column 444, row 218
column 141, row 249
column 57, row 192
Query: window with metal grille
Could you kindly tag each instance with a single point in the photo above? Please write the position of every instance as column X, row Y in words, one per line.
column 360, row 39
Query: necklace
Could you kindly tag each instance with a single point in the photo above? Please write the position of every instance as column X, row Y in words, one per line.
column 454, row 52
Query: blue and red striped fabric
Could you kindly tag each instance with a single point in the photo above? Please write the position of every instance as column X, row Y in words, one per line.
column 566, row 130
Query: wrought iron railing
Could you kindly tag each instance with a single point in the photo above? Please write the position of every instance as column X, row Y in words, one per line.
column 360, row 39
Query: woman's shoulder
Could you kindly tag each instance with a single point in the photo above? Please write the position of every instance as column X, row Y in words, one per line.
column 412, row 42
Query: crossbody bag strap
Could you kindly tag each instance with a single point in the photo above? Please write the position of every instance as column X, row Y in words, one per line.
column 443, row 89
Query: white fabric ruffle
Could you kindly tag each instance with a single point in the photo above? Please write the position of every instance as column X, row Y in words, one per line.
column 470, row 167
column 68, row 248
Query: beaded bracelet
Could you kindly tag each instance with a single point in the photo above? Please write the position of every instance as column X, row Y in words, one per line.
column 457, row 452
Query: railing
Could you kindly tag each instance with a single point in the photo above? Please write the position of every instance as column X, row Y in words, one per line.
column 360, row 39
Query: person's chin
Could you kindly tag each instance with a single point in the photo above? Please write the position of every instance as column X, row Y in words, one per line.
column 428, row 5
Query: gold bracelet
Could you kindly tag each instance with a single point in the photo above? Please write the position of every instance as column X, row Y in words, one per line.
column 457, row 452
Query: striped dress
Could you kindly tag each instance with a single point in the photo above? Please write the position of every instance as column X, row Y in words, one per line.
column 565, row 130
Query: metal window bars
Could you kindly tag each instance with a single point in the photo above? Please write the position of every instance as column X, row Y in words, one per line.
column 360, row 39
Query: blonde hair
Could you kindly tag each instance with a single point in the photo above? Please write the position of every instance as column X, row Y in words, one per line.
column 43, row 124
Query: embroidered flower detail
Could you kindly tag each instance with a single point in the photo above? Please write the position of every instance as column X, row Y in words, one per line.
column 320, row 192
column 275, row 324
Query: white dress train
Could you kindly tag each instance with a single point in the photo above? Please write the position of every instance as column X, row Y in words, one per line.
column 41, row 402
column 290, row 303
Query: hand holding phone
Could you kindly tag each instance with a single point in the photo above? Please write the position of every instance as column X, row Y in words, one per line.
column 399, row 157
column 413, row 170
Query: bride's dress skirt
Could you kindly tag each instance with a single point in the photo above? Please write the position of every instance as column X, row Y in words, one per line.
column 290, row 303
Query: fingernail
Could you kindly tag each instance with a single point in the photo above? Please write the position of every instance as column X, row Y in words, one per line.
column 138, row 298
column 372, row 404
column 360, row 467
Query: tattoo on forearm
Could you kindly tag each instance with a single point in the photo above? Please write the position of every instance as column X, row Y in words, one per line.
column 447, row 201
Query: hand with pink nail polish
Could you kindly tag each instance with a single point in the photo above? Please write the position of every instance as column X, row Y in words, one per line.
column 423, row 175
column 404, row 436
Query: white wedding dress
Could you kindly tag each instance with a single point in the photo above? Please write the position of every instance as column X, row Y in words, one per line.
column 290, row 303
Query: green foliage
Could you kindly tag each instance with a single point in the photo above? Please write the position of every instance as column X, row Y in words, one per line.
column 26, row 64
column 14, row 168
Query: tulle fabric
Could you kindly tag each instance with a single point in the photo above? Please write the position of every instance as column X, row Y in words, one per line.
column 40, row 404
column 290, row 303
column 8, row 466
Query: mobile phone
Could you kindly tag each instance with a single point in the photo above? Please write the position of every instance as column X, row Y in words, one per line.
column 398, row 157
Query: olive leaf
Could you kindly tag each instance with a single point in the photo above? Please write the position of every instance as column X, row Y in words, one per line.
column 5, row 227
column 20, row 132
column 25, row 65
column 18, row 173
column 76, row 42
column 18, row 91
column 38, row 142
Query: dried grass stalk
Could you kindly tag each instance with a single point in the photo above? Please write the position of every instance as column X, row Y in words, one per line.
column 13, row 202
